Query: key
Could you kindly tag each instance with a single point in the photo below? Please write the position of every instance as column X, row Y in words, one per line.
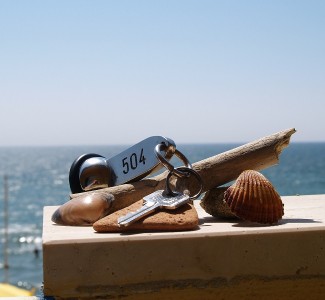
column 157, row 200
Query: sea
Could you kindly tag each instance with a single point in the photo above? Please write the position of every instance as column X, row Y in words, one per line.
column 38, row 177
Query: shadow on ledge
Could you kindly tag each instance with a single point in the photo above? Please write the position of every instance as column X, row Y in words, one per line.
column 208, row 221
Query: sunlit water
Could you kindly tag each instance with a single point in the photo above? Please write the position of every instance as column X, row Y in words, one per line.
column 38, row 177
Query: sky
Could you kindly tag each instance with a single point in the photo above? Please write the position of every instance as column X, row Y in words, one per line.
column 116, row 72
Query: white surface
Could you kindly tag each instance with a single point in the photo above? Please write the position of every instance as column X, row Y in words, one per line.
column 300, row 213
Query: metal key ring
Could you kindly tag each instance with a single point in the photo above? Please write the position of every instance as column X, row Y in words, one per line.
column 168, row 165
column 189, row 172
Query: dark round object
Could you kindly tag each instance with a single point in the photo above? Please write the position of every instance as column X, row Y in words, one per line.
column 74, row 172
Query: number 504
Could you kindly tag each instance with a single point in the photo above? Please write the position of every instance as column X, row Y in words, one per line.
column 133, row 161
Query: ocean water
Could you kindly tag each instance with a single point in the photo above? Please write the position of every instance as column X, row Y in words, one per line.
column 38, row 177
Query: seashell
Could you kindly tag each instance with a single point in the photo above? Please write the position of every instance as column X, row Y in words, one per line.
column 83, row 210
column 213, row 203
column 252, row 197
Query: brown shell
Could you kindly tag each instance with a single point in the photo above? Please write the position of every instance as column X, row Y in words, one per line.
column 252, row 197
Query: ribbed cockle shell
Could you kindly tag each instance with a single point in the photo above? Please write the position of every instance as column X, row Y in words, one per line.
column 252, row 197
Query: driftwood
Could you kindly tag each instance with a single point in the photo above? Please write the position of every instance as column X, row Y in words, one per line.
column 215, row 171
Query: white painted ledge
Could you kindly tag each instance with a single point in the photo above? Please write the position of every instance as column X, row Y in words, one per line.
column 220, row 258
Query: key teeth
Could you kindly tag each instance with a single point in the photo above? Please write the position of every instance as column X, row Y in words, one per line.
column 123, row 221
column 123, row 224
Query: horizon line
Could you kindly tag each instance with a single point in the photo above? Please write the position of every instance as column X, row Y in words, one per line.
column 128, row 144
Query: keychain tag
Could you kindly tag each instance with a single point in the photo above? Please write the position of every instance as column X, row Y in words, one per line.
column 92, row 171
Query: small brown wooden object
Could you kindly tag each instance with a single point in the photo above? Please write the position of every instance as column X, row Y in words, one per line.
column 215, row 171
column 213, row 203
column 182, row 218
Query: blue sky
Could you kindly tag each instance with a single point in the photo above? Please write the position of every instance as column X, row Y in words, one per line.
column 116, row 72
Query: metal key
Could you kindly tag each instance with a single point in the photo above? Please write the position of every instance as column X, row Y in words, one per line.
column 157, row 200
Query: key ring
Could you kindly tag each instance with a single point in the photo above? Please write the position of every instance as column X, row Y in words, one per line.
column 169, row 166
column 187, row 171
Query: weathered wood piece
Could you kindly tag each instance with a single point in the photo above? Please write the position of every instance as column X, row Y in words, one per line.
column 215, row 171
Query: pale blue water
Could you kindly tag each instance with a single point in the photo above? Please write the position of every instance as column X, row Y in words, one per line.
column 38, row 176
